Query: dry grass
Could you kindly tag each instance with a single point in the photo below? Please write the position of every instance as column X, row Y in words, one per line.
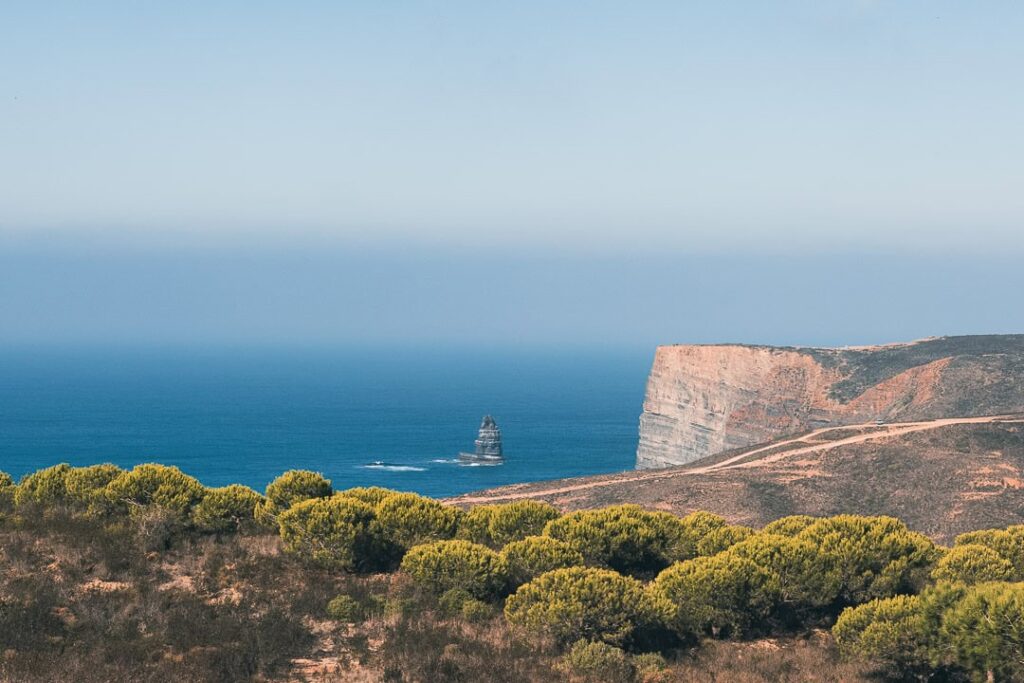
column 802, row 660
column 83, row 602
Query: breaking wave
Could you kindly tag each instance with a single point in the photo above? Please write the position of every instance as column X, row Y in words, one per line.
column 388, row 467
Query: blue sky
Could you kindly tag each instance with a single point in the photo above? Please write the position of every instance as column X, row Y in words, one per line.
column 655, row 140
column 700, row 123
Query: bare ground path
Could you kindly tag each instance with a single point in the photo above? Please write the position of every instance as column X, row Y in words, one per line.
column 807, row 443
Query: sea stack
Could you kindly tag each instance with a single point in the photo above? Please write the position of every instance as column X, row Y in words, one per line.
column 488, row 444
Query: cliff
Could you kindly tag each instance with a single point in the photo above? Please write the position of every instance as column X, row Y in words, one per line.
column 706, row 399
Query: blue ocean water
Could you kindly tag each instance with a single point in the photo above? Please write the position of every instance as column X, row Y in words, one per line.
column 246, row 415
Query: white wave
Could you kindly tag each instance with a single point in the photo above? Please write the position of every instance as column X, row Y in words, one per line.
column 480, row 464
column 393, row 468
column 445, row 460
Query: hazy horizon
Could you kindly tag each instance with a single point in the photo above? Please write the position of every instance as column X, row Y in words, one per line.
column 109, row 294
column 535, row 175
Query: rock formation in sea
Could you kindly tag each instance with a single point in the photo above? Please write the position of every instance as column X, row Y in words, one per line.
column 488, row 442
column 705, row 399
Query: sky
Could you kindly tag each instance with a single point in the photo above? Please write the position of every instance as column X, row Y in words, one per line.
column 801, row 171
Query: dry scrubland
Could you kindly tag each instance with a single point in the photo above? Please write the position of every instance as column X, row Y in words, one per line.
column 942, row 478
column 145, row 575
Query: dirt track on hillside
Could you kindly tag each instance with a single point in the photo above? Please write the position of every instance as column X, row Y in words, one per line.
column 802, row 445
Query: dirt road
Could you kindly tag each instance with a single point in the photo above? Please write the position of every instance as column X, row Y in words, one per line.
column 807, row 443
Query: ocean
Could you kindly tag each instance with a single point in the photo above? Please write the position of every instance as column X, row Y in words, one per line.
column 246, row 415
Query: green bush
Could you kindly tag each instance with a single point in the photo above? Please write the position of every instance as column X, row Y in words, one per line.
column 63, row 486
column 371, row 495
column 444, row 565
column 892, row 633
column 1009, row 543
column 902, row 635
column 788, row 526
column 152, row 484
column 598, row 662
column 346, row 609
column 722, row 538
column 458, row 602
column 86, row 486
column 875, row 557
column 451, row 601
column 294, row 486
column 474, row 610
column 648, row 663
column 805, row 577
column 581, row 602
column 626, row 538
column 7, row 489
column 46, row 487
column 535, row 555
column 408, row 519
column 335, row 532
column 719, row 595
column 694, row 528
column 984, row 631
column 972, row 563
column 498, row 525
column 227, row 508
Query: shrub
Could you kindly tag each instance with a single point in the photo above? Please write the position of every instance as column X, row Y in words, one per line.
column 85, row 486
column 597, row 661
column 694, row 527
column 498, row 525
column 226, row 508
column 890, row 632
column 984, row 631
column 451, row 601
column 788, row 526
column 7, row 489
column 722, row 538
column 626, row 538
column 1009, row 543
column 874, row 557
column 407, row 519
column 972, row 563
column 649, row 663
column 346, row 609
column 581, row 602
column 805, row 578
column 371, row 495
column 294, row 486
column 474, row 610
column 152, row 484
column 719, row 595
column 46, row 487
column 535, row 555
column 334, row 533
column 902, row 635
column 444, row 565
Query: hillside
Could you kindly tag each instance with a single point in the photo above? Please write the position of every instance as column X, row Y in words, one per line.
column 705, row 399
column 942, row 477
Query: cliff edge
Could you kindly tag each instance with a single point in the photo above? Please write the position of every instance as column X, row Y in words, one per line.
column 705, row 399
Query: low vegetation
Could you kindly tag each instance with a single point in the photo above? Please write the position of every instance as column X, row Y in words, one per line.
column 145, row 574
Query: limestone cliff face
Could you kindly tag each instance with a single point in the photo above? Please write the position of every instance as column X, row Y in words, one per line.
column 705, row 399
